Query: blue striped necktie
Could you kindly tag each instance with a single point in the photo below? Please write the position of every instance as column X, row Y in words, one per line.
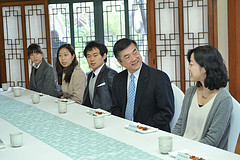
column 130, row 99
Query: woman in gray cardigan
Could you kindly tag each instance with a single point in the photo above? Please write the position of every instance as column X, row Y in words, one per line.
column 207, row 107
column 42, row 76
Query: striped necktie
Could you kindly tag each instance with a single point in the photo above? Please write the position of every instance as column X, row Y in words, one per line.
column 130, row 99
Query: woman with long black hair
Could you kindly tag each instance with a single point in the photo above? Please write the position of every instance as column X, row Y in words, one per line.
column 70, row 75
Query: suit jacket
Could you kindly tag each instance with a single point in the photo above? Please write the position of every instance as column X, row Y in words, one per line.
column 75, row 88
column 154, row 101
column 102, row 91
column 43, row 81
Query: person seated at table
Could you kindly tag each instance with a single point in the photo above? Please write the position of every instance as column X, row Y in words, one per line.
column 70, row 75
column 42, row 78
column 207, row 106
column 141, row 93
column 98, row 93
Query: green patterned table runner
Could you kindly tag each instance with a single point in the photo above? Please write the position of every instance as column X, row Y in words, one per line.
column 75, row 141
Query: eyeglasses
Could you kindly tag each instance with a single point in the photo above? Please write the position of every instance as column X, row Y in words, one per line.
column 129, row 56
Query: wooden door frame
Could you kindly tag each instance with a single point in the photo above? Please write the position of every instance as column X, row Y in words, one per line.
column 22, row 3
column 151, row 34
column 2, row 53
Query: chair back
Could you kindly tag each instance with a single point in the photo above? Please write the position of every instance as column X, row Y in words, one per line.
column 234, row 126
column 178, row 99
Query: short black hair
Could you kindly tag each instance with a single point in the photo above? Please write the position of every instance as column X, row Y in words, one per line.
column 211, row 59
column 121, row 45
column 33, row 48
column 94, row 44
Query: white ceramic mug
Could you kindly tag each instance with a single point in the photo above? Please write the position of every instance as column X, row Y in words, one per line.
column 35, row 98
column 4, row 86
column 17, row 92
column 62, row 106
column 98, row 122
column 165, row 144
column 16, row 139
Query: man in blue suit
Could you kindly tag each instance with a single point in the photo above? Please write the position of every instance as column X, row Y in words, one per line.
column 141, row 93
column 98, row 93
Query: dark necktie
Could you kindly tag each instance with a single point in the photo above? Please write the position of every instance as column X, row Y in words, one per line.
column 35, row 71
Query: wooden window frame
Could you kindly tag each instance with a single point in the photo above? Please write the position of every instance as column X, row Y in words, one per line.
column 23, row 3
column 212, row 19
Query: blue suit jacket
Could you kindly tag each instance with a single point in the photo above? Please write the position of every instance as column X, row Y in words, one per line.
column 154, row 101
column 102, row 91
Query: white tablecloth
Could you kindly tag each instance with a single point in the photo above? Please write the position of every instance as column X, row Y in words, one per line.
column 33, row 148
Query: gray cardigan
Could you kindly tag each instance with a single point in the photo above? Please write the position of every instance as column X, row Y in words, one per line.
column 217, row 125
column 43, row 81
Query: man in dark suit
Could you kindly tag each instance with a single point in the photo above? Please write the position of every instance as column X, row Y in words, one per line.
column 141, row 93
column 98, row 93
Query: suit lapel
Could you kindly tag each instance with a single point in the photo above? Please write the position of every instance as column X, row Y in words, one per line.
column 86, row 94
column 99, row 77
column 141, row 86
column 123, row 89
column 38, row 75
column 40, row 70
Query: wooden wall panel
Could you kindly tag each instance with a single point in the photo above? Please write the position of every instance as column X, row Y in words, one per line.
column 234, row 52
column 234, row 47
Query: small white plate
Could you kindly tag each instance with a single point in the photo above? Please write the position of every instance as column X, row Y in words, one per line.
column 186, row 151
column 98, row 112
column 22, row 89
column 68, row 101
column 174, row 154
column 42, row 95
column 141, row 128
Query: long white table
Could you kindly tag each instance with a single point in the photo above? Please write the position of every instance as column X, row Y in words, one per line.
column 134, row 145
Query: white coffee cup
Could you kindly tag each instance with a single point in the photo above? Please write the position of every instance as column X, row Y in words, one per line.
column 98, row 122
column 5, row 86
column 16, row 139
column 62, row 106
column 17, row 92
column 165, row 144
column 35, row 98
